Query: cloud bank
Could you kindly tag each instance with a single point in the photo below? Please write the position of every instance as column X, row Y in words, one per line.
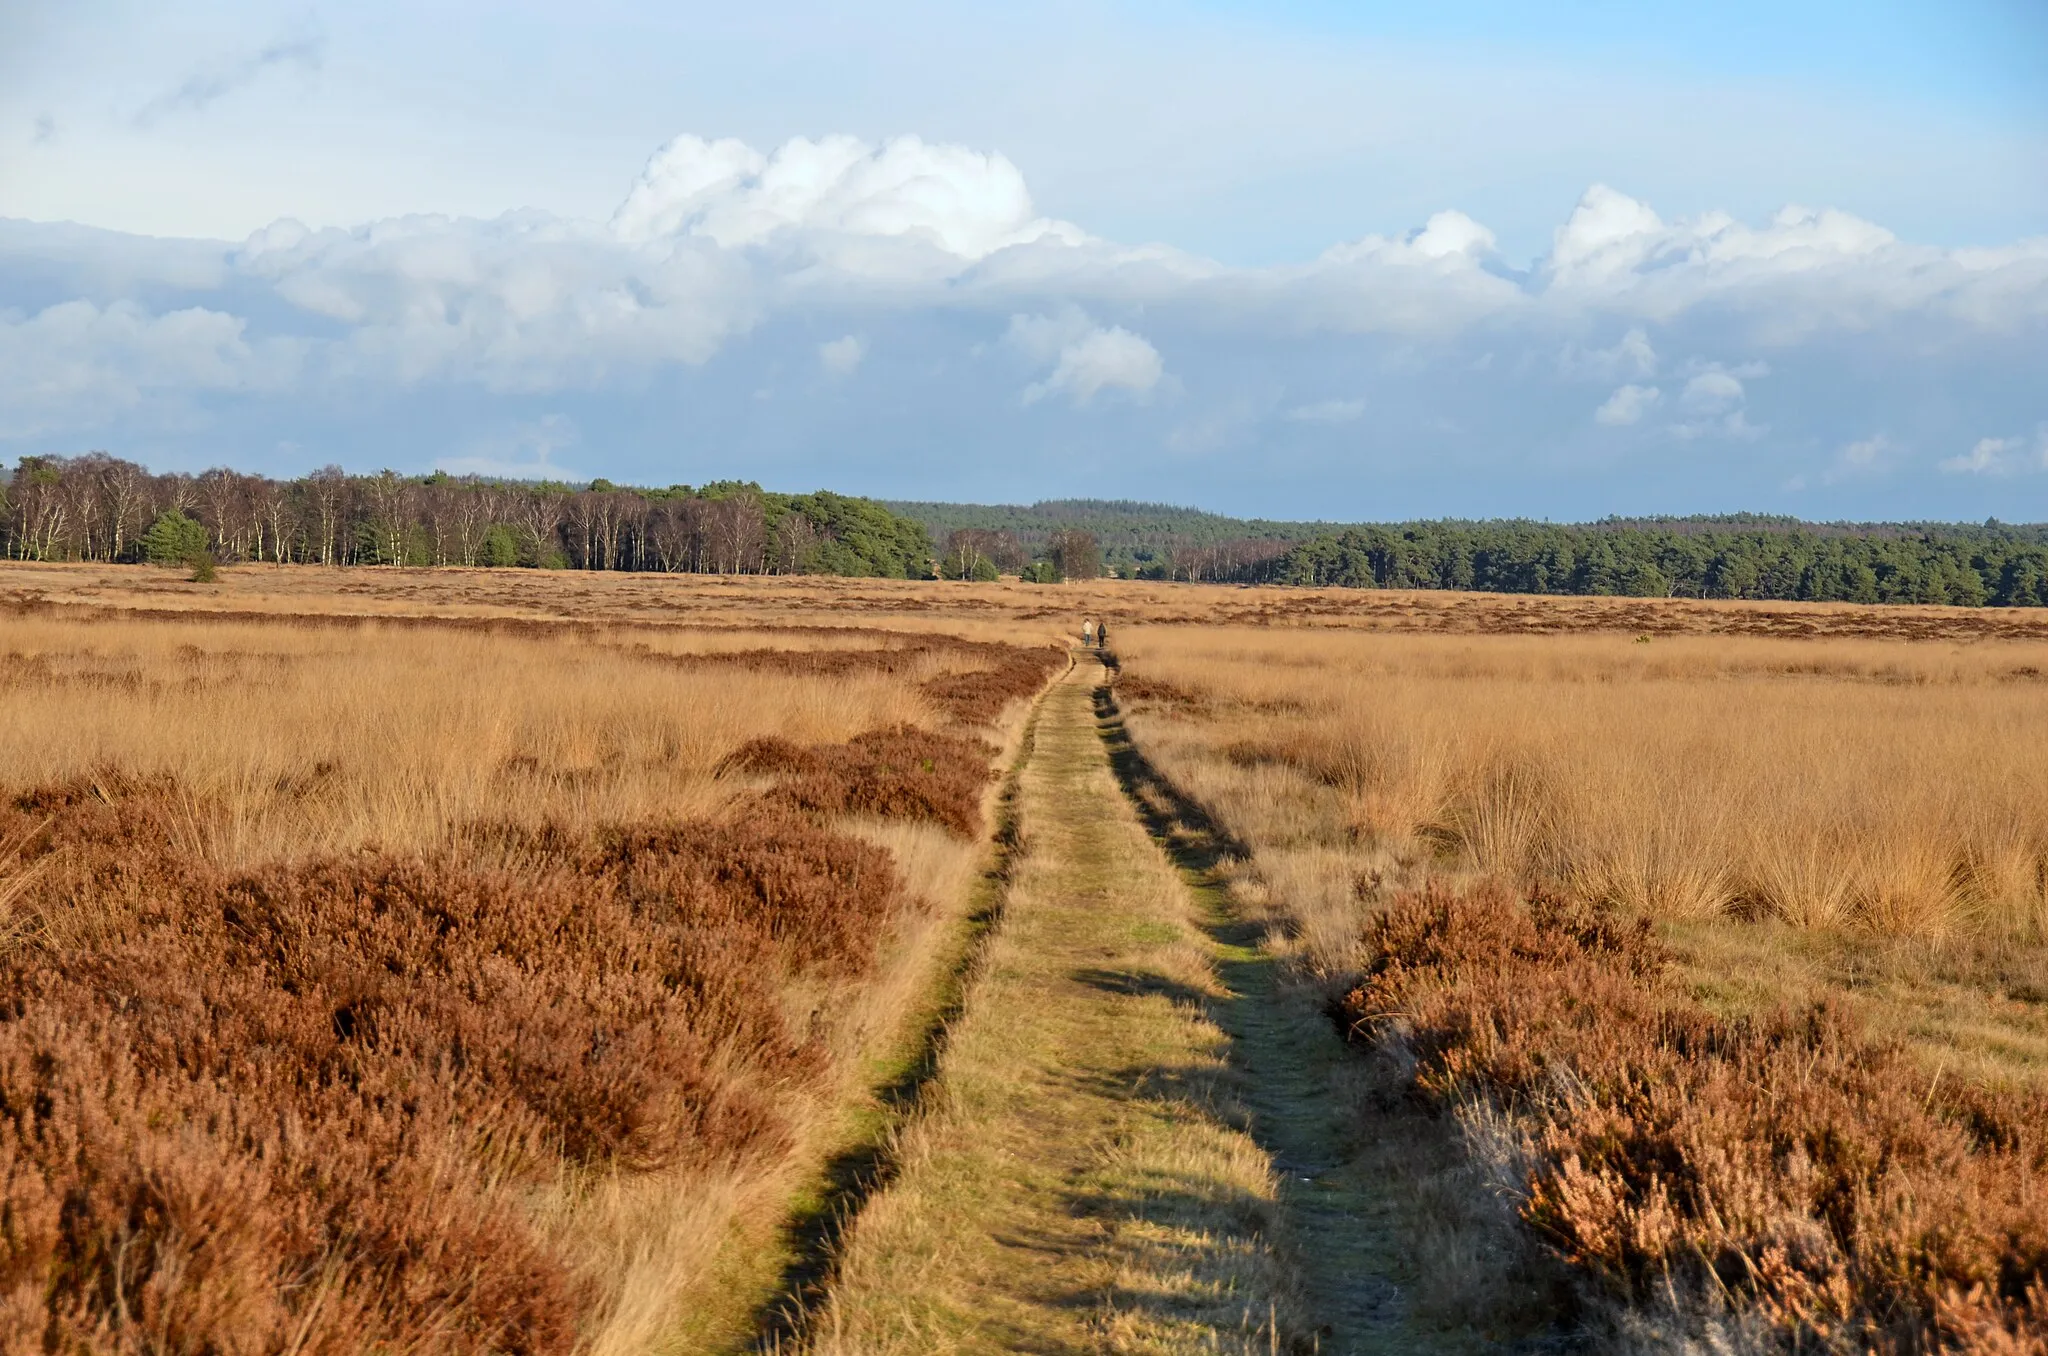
column 834, row 310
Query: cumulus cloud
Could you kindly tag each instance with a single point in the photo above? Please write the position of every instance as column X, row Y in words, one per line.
column 1087, row 359
column 724, row 265
column 1627, row 406
column 77, row 364
column 1714, row 402
column 839, row 357
column 2001, row 456
column 1452, row 233
column 1608, row 233
column 1989, row 455
column 525, row 302
column 1862, row 459
column 967, row 203
column 1327, row 412
column 1611, row 236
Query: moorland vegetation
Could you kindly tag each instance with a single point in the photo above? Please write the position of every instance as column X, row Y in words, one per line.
column 1725, row 956
column 445, row 985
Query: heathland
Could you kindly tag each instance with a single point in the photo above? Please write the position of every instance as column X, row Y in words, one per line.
column 424, row 981
column 1726, row 955
column 451, row 960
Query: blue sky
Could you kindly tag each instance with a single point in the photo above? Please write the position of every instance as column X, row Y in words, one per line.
column 1196, row 252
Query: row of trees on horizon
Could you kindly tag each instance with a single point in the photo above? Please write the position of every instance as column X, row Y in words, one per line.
column 102, row 508
column 97, row 507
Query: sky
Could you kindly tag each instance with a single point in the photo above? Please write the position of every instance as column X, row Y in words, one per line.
column 1298, row 259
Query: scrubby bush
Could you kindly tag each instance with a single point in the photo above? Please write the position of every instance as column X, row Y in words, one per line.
column 1786, row 1176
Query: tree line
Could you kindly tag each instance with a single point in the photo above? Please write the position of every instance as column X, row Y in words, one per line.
column 1136, row 539
column 97, row 507
column 1995, row 564
column 1741, row 555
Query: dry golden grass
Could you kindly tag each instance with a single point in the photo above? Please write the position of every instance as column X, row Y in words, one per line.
column 315, row 731
column 1809, row 1118
column 1897, row 787
column 1006, row 611
column 293, row 741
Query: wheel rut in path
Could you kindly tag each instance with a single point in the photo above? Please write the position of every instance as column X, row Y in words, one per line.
column 814, row 1236
column 1349, row 1224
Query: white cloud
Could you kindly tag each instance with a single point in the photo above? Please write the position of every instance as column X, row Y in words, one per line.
column 79, row 365
column 1611, row 236
column 841, row 356
column 1714, row 402
column 1627, row 405
column 1861, row 459
column 1989, row 455
column 1327, row 412
column 1712, row 392
column 1452, row 232
column 524, row 302
column 738, row 261
column 1608, row 233
column 2002, row 456
column 1112, row 359
column 967, row 203
column 1094, row 360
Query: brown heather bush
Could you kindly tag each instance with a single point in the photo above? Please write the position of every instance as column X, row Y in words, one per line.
column 298, row 1105
column 993, row 676
column 899, row 773
column 1816, row 1190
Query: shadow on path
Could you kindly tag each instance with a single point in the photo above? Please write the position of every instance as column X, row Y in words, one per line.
column 1346, row 1179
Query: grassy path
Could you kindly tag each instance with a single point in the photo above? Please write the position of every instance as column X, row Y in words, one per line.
column 1354, row 1178
column 1140, row 1139
column 1080, row 1180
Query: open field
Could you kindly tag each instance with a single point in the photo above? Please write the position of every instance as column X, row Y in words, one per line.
column 1805, row 1103
column 533, row 961
column 961, row 608
column 455, row 988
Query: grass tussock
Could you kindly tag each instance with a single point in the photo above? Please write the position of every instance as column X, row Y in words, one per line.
column 1785, row 1176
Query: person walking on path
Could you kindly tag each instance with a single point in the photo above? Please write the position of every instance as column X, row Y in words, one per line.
column 1102, row 635
column 1087, row 633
